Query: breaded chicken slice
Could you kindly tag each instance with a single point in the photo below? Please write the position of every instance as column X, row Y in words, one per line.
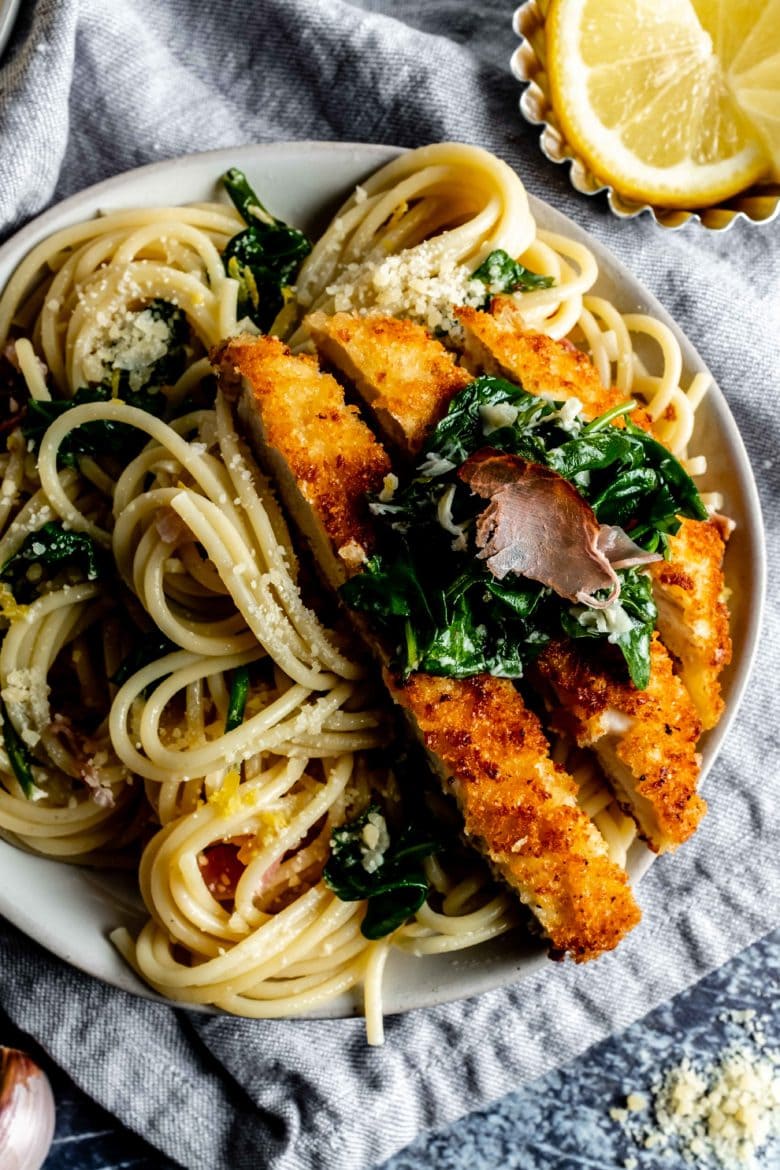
column 560, row 868
column 693, row 619
column 645, row 740
column 404, row 375
column 520, row 809
column 560, row 370
column 496, row 343
column 318, row 448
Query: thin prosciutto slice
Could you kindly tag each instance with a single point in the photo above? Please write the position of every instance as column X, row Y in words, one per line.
column 537, row 525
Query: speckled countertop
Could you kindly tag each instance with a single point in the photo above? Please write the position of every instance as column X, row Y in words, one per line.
column 561, row 1122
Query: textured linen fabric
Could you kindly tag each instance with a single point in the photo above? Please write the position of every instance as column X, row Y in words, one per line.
column 93, row 88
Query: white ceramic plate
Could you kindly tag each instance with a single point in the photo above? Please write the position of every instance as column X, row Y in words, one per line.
column 70, row 911
column 8, row 11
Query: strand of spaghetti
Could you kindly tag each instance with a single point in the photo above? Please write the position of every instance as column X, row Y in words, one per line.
column 338, row 775
column 28, row 626
column 344, row 941
column 191, row 377
column 321, row 744
column 699, row 386
column 312, row 934
column 207, row 254
column 276, row 737
column 190, row 458
column 31, row 820
column 669, row 379
column 498, row 215
column 613, row 320
column 596, row 346
column 256, row 603
column 173, row 853
column 449, row 934
column 469, row 166
column 31, row 370
column 249, row 960
column 229, row 634
column 372, row 993
column 273, row 538
column 176, row 670
column 221, row 219
column 12, row 479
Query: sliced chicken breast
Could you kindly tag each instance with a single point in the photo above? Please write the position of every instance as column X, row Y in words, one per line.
column 404, row 375
column 495, row 343
column 693, row 620
column 518, row 807
column 320, row 451
column 645, row 740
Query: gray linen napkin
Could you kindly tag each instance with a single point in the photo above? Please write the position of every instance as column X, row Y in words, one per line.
column 93, row 88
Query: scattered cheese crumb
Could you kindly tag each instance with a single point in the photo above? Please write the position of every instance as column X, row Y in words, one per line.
column 129, row 340
column 418, row 283
column 445, row 518
column 613, row 621
column 500, row 414
column 374, row 840
column 389, row 486
column 721, row 1114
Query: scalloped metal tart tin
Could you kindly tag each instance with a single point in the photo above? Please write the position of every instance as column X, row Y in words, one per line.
column 758, row 205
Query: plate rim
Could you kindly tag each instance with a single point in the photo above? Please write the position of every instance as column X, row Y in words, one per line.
column 517, row 966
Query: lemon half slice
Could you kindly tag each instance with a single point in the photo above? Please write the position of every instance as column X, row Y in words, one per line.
column 641, row 93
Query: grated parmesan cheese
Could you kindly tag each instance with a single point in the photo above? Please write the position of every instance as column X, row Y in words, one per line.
column 613, row 621
column 418, row 284
column 434, row 465
column 27, row 688
column 501, row 414
column 722, row 1114
column 129, row 340
column 374, row 841
column 445, row 518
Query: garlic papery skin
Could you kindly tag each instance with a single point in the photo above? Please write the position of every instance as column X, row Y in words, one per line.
column 26, row 1112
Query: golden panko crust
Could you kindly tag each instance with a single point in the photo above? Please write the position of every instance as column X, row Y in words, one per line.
column 405, row 375
column 520, row 808
column 330, row 451
column 657, row 736
column 497, row 343
column 693, row 618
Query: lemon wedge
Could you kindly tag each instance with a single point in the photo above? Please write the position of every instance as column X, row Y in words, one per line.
column 643, row 92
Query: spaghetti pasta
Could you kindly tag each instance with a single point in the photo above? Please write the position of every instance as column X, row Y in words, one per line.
column 233, row 824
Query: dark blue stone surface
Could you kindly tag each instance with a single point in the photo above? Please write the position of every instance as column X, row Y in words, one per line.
column 560, row 1122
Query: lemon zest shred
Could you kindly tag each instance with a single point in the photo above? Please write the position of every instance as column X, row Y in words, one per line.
column 225, row 800
column 10, row 607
